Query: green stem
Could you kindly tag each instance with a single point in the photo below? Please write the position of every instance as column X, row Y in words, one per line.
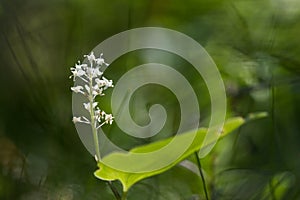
column 124, row 196
column 93, row 123
column 201, row 175
column 114, row 190
column 95, row 135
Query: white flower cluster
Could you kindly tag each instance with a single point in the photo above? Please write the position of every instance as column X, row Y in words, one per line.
column 95, row 84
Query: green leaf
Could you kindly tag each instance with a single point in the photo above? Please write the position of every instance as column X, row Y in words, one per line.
column 128, row 179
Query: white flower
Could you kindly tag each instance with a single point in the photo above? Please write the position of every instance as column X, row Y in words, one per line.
column 78, row 70
column 91, row 57
column 97, row 90
column 87, row 106
column 109, row 118
column 79, row 66
column 100, row 60
column 77, row 89
column 97, row 72
column 104, row 83
column 100, row 83
column 95, row 93
column 80, row 119
column 100, row 92
column 108, row 83
column 93, row 72
column 97, row 112
column 89, row 72
column 94, row 85
column 76, row 119
column 102, row 114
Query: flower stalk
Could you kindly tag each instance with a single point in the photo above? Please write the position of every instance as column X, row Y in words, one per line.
column 94, row 85
column 93, row 123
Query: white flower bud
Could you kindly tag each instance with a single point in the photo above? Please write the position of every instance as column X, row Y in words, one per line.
column 76, row 119
column 91, row 57
column 77, row 89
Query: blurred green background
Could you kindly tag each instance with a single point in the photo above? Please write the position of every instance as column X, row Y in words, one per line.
column 255, row 44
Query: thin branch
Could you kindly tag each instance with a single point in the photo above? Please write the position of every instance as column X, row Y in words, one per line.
column 201, row 175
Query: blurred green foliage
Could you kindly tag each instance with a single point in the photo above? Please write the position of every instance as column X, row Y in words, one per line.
column 255, row 44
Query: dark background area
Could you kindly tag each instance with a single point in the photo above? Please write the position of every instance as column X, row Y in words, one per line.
column 255, row 45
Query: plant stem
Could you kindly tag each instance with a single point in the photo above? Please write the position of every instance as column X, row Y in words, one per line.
column 202, row 175
column 114, row 190
column 124, row 196
column 95, row 135
column 93, row 123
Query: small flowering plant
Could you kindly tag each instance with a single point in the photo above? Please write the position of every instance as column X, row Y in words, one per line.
column 94, row 84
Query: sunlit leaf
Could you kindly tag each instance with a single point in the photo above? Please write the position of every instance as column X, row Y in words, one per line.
column 128, row 179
